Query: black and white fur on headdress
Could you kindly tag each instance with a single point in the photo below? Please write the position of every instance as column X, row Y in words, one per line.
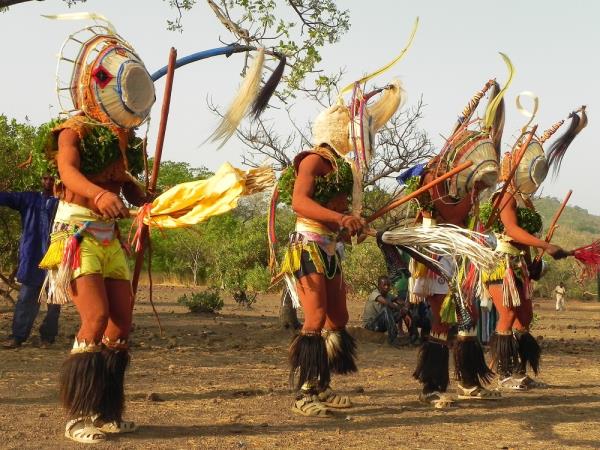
column 250, row 99
column 557, row 150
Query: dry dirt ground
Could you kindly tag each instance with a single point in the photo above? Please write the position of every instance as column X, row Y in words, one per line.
column 221, row 382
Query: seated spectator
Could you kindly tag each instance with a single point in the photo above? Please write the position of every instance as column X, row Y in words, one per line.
column 383, row 312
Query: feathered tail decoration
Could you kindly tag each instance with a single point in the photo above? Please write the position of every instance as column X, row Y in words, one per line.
column 392, row 97
column 245, row 96
column 267, row 91
column 558, row 148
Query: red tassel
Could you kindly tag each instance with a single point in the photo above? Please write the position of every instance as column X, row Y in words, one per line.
column 272, row 236
column 138, row 224
column 468, row 285
column 72, row 255
column 588, row 257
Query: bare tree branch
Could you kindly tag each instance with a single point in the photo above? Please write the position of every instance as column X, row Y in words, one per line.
column 401, row 144
column 233, row 27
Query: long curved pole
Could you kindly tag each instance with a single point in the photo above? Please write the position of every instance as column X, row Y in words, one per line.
column 228, row 50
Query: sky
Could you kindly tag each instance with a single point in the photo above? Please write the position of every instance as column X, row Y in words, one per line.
column 552, row 44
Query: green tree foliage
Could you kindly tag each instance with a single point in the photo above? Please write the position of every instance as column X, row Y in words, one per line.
column 209, row 301
column 237, row 252
column 21, row 169
column 362, row 265
column 297, row 28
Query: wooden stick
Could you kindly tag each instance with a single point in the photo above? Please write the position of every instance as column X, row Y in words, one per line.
column 496, row 207
column 419, row 191
column 553, row 225
column 164, row 116
column 551, row 232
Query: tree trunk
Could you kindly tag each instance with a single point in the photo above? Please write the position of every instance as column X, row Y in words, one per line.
column 288, row 318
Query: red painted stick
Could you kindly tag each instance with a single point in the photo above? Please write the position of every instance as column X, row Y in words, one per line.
column 164, row 116
column 419, row 191
column 553, row 223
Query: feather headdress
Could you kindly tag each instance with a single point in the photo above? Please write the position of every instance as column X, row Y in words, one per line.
column 250, row 99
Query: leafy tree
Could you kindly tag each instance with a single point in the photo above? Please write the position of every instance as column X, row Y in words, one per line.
column 297, row 28
column 362, row 266
column 21, row 169
column 237, row 255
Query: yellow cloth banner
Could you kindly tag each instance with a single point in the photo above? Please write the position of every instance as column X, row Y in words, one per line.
column 193, row 202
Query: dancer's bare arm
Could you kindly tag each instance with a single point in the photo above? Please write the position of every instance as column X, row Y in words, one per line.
column 508, row 215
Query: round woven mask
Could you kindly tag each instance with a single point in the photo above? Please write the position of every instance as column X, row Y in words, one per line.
column 107, row 79
column 485, row 168
column 532, row 169
column 117, row 84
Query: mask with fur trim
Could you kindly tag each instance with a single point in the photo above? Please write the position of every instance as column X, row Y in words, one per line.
column 345, row 131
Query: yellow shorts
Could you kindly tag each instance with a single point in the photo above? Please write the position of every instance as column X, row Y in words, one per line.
column 107, row 260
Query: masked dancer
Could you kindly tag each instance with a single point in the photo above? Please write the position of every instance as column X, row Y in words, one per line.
column 455, row 202
column 98, row 158
column 513, row 347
